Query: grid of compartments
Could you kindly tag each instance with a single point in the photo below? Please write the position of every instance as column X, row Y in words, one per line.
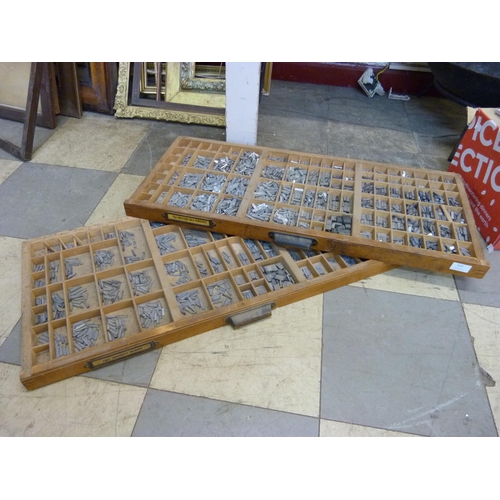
column 417, row 209
column 202, row 176
column 420, row 215
column 93, row 287
column 107, row 285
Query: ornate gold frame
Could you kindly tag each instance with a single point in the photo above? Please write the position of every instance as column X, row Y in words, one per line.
column 200, row 91
column 179, row 109
column 188, row 79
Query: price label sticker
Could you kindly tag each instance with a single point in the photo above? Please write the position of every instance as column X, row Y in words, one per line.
column 463, row 268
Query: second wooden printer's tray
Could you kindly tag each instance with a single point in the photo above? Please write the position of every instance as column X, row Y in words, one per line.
column 399, row 215
column 100, row 294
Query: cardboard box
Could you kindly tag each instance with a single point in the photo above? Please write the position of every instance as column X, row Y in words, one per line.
column 477, row 160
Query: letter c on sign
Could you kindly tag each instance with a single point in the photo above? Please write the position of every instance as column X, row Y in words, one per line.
column 467, row 152
column 494, row 185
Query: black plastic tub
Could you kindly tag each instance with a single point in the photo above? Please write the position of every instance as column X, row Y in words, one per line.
column 475, row 84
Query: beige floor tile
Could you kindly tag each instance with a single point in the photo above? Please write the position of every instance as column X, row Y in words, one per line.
column 329, row 428
column 484, row 326
column 7, row 168
column 111, row 206
column 413, row 282
column 97, row 142
column 10, row 284
column 79, row 406
column 275, row 363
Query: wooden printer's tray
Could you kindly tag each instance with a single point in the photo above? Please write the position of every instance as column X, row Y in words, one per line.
column 403, row 216
column 101, row 294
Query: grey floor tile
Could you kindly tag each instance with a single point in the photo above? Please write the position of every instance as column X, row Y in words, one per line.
column 370, row 143
column 393, row 117
column 137, row 370
column 486, row 291
column 13, row 132
column 160, row 137
column 435, row 106
column 403, row 364
column 39, row 199
column 169, row 414
column 10, row 350
column 296, row 134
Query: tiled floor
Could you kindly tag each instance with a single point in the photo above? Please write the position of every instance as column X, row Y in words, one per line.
column 407, row 353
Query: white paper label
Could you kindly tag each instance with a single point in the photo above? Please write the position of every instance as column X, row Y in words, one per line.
column 463, row 268
column 490, row 248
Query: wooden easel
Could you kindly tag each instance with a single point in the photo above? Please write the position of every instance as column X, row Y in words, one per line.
column 25, row 151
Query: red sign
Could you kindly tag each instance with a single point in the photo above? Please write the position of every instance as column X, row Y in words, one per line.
column 477, row 159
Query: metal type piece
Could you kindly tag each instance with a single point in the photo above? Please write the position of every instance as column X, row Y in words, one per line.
column 151, row 313
column 429, row 228
column 77, row 297
column 465, row 251
column 277, row 276
column 413, row 226
column 324, row 179
column 285, row 194
column 43, row 338
column 247, row 163
column 190, row 181
column 348, row 260
column 103, row 259
column 215, row 261
column 85, row 334
column 395, row 192
column 427, row 211
column 437, row 198
column 220, row 293
column 296, row 174
column 339, row 224
column 462, row 233
column 189, row 302
column 61, row 345
column 53, row 269
column 271, row 172
column 228, row 206
column 202, row 162
column 179, row 270
column 254, row 249
column 58, row 306
column 266, row 191
column 213, row 182
column 424, row 196
column 186, row 159
column 110, row 290
column 141, row 282
column 204, row 202
column 260, row 211
column 366, row 203
column 195, row 237
column 165, row 243
column 416, row 242
column 116, row 326
column 237, row 186
column 444, row 231
column 223, row 164
column 432, row 245
column 179, row 200
column 305, row 271
column 286, row 216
